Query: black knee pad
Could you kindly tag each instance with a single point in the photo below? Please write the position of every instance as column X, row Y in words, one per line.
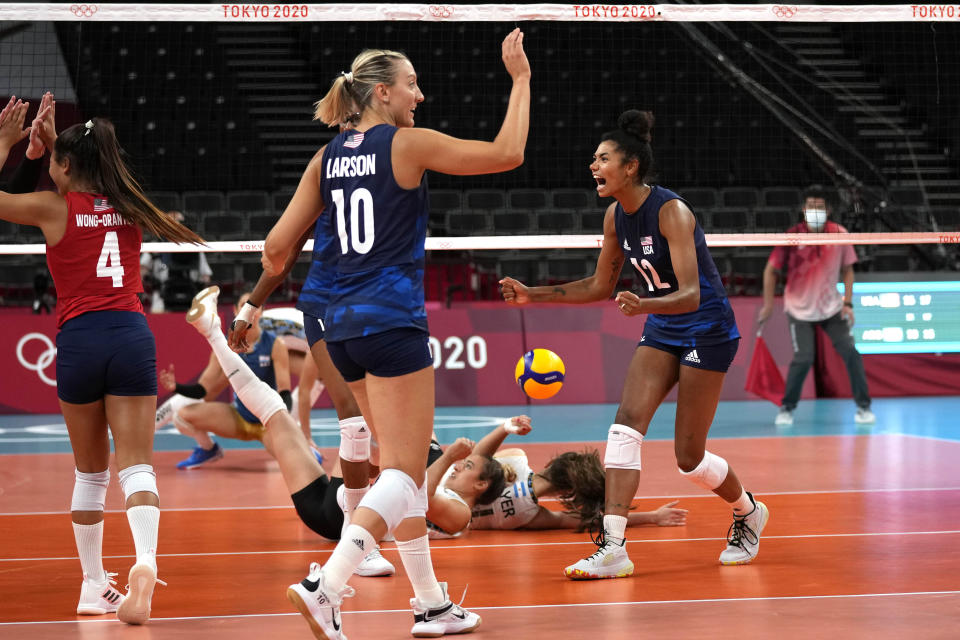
column 316, row 504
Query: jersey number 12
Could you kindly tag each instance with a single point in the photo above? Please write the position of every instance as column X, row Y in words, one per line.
column 642, row 267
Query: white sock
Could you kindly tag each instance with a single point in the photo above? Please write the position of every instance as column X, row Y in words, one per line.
column 415, row 555
column 743, row 505
column 89, row 539
column 353, row 546
column 144, row 522
column 351, row 498
column 254, row 393
column 232, row 364
column 614, row 528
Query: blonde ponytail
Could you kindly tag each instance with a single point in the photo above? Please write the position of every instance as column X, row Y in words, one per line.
column 351, row 90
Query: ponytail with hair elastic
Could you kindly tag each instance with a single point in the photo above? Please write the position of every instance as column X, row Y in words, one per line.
column 98, row 161
column 352, row 90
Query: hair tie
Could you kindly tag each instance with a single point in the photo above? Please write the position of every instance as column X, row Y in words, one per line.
column 89, row 125
column 347, row 76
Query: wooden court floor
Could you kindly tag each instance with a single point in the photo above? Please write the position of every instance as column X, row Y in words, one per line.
column 863, row 542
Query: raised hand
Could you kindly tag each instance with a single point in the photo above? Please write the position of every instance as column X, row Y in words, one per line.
column 7, row 108
column 11, row 126
column 518, row 425
column 461, row 448
column 167, row 379
column 514, row 58
column 43, row 131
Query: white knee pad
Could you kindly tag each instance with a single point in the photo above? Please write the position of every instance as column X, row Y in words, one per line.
column 710, row 473
column 623, row 448
column 167, row 410
column 261, row 400
column 419, row 507
column 137, row 478
column 90, row 490
column 391, row 497
column 354, row 440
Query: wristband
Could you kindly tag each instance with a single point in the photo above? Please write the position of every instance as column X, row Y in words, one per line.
column 509, row 427
column 848, row 304
column 287, row 398
column 195, row 391
column 246, row 313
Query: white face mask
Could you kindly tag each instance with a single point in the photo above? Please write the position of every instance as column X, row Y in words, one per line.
column 816, row 218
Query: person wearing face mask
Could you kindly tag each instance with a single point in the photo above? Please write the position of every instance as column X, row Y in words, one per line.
column 811, row 299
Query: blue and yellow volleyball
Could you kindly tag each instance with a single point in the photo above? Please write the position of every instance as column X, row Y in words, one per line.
column 540, row 373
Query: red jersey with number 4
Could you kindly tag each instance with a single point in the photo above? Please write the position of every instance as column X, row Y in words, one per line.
column 96, row 266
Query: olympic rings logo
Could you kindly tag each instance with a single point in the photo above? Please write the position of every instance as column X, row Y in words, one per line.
column 44, row 360
column 441, row 11
column 784, row 12
column 84, row 10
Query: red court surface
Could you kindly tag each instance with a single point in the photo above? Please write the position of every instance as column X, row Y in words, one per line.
column 863, row 541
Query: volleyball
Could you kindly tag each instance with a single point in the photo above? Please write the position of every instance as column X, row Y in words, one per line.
column 540, row 373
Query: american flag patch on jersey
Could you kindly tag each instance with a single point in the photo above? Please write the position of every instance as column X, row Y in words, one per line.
column 354, row 140
column 646, row 241
column 100, row 205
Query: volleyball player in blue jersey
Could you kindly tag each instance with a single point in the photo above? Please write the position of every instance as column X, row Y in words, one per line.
column 355, row 433
column 690, row 338
column 369, row 183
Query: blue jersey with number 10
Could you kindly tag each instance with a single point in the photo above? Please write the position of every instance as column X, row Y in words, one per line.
column 378, row 231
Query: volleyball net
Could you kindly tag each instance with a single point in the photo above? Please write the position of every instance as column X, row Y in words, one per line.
column 213, row 103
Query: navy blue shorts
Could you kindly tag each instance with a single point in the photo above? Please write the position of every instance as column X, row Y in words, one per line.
column 714, row 357
column 389, row 354
column 313, row 329
column 106, row 352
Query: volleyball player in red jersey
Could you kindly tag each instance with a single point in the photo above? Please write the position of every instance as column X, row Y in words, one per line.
column 106, row 355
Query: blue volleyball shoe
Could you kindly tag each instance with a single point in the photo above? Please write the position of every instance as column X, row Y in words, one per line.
column 201, row 456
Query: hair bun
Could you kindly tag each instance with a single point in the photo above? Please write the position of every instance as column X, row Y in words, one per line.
column 636, row 123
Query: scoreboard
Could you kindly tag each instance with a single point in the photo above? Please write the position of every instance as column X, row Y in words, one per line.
column 906, row 317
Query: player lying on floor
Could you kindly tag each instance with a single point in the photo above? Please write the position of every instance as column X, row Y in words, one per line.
column 477, row 486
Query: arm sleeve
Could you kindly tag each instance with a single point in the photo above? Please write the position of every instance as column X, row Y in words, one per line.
column 26, row 177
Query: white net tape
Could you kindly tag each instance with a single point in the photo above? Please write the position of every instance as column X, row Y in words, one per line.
column 493, row 243
column 261, row 12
